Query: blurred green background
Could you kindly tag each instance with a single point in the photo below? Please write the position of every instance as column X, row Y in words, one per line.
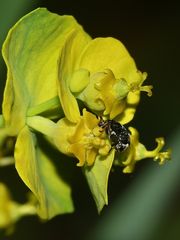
column 143, row 205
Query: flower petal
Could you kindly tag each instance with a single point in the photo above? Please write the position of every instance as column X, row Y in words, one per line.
column 31, row 51
column 76, row 41
column 90, row 119
column 97, row 177
column 103, row 53
column 79, row 151
column 112, row 72
column 38, row 173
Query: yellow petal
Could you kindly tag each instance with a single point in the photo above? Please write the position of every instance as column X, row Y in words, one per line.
column 103, row 53
column 39, row 174
column 75, row 42
column 91, row 156
column 79, row 131
column 31, row 52
column 97, row 178
column 79, row 151
column 91, row 121
column 118, row 107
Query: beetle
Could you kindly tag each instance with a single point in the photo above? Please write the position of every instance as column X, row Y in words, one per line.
column 117, row 133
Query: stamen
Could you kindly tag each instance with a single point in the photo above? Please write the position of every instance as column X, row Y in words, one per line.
column 147, row 88
column 156, row 154
column 163, row 156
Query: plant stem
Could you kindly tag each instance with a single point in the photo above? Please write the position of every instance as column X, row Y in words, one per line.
column 43, row 107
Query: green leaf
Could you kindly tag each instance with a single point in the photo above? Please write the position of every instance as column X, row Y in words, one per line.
column 97, row 178
column 31, row 52
column 39, row 174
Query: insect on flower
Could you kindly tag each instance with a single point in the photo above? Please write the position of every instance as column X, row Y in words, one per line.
column 117, row 133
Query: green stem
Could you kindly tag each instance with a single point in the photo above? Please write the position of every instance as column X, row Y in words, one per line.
column 27, row 209
column 42, row 125
column 43, row 107
column 6, row 161
column 1, row 121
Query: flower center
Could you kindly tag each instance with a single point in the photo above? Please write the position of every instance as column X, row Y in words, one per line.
column 97, row 140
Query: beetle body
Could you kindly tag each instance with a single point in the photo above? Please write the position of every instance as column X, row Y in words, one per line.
column 117, row 133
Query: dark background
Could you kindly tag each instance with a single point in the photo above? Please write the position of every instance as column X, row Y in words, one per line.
column 150, row 31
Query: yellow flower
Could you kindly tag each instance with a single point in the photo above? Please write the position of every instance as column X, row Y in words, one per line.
column 11, row 211
column 119, row 96
column 137, row 152
column 102, row 74
column 84, row 140
column 55, row 72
